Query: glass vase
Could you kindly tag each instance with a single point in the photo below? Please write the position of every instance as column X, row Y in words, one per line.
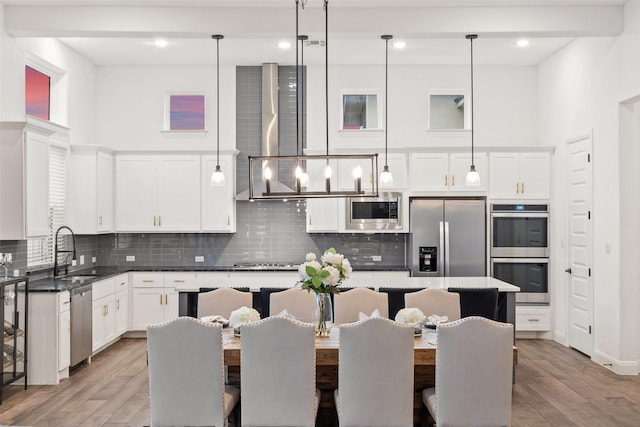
column 323, row 314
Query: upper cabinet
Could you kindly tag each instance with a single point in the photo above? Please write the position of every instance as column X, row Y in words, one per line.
column 443, row 172
column 91, row 190
column 520, row 175
column 218, row 204
column 24, row 176
column 158, row 193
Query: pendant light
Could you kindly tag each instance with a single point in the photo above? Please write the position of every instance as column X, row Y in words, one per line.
column 308, row 164
column 386, row 179
column 473, row 178
column 217, row 177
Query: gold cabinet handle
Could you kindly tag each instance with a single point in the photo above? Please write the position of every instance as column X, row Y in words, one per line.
column 228, row 219
column 310, row 221
column 522, row 187
column 445, row 180
column 123, row 283
column 533, row 320
column 100, row 220
column 517, row 187
column 66, row 302
column 179, row 280
column 154, row 220
column 166, row 299
column 118, row 304
column 147, row 281
column 159, row 221
column 453, row 180
column 160, row 299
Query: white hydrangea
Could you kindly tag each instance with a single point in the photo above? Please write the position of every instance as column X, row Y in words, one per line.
column 410, row 316
column 334, row 276
column 310, row 257
column 243, row 315
column 346, row 268
column 302, row 270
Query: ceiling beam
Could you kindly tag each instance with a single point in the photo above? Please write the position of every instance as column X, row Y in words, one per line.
column 345, row 22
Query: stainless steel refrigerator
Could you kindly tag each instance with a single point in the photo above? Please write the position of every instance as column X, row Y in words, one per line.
column 447, row 237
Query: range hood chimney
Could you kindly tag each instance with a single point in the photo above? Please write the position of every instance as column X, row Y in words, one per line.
column 270, row 118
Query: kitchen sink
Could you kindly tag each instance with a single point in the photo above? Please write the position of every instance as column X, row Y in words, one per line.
column 78, row 278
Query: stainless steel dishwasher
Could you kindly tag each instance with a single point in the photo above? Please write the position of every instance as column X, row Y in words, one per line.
column 81, row 324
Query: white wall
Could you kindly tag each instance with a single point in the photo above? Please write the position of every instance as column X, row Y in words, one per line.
column 77, row 86
column 130, row 106
column 506, row 105
column 580, row 88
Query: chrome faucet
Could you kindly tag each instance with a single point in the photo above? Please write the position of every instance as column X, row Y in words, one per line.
column 56, row 252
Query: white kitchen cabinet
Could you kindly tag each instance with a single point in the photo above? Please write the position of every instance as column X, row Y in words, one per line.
column 91, row 190
column 24, row 174
column 122, row 304
column 64, row 330
column 158, row 193
column 110, row 310
column 520, row 175
column 154, row 300
column 104, row 326
column 322, row 216
column 444, row 172
column 533, row 318
column 218, row 204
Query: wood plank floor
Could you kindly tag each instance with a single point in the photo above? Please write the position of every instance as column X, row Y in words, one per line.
column 555, row 386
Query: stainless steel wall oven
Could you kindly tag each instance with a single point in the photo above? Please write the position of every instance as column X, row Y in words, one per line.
column 531, row 275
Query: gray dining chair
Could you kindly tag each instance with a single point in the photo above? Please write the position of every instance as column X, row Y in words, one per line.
column 222, row 302
column 435, row 301
column 347, row 305
column 375, row 374
column 298, row 302
column 474, row 371
column 186, row 382
column 278, row 373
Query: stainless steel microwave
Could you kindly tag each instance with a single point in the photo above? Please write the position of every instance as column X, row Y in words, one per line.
column 377, row 213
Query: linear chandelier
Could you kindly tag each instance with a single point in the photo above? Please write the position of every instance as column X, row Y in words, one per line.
column 311, row 176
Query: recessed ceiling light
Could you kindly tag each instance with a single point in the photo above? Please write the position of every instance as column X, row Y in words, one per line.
column 523, row 43
column 284, row 45
column 161, row 43
column 400, row 44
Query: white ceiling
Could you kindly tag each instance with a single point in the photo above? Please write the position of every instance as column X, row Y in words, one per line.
column 123, row 32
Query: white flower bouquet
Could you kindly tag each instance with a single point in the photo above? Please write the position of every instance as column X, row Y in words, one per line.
column 410, row 316
column 324, row 276
column 243, row 315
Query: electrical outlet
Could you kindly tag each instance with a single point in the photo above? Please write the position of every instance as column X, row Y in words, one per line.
column 93, row 259
column 16, row 273
column 376, row 258
column 74, row 263
column 81, row 259
column 199, row 258
column 131, row 257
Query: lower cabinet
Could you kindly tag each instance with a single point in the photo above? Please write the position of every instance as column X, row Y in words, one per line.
column 155, row 300
column 64, row 330
column 110, row 310
column 533, row 318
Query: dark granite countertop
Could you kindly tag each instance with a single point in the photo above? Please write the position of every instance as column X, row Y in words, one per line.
column 86, row 276
column 11, row 280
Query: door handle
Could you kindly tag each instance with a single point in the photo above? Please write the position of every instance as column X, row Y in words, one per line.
column 441, row 255
column 568, row 270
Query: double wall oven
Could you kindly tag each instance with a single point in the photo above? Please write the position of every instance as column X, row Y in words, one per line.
column 520, row 249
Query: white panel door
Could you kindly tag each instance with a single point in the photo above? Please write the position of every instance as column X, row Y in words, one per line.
column 148, row 308
column 122, row 312
column 580, row 245
column 136, row 189
column 179, row 193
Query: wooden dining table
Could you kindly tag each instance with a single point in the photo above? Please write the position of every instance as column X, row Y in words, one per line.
column 424, row 361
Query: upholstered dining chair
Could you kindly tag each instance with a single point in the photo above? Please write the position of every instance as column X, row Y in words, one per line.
column 375, row 374
column 474, row 371
column 435, row 301
column 347, row 305
column 298, row 302
column 278, row 373
column 481, row 302
column 186, row 384
column 396, row 299
column 222, row 302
